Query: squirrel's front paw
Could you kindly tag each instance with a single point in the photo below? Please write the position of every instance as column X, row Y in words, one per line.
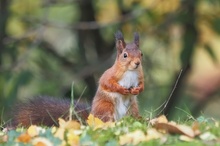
column 135, row 90
column 125, row 91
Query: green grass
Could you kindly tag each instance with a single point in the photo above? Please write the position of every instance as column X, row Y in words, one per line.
column 110, row 136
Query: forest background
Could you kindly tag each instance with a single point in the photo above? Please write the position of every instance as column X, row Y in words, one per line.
column 45, row 45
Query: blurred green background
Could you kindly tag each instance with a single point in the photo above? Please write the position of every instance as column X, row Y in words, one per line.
column 45, row 45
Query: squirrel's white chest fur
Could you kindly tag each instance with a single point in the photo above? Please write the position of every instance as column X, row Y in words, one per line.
column 123, row 102
column 129, row 79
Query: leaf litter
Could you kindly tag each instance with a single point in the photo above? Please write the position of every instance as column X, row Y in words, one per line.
column 127, row 131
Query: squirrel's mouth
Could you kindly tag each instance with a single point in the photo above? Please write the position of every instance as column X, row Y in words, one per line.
column 133, row 67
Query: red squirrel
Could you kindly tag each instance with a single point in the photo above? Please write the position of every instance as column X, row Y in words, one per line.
column 115, row 97
column 119, row 85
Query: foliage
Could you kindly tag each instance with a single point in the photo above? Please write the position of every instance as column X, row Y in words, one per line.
column 127, row 131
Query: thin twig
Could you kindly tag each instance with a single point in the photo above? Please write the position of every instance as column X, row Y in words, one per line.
column 175, row 85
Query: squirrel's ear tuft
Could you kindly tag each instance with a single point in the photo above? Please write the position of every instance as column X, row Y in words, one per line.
column 136, row 38
column 120, row 43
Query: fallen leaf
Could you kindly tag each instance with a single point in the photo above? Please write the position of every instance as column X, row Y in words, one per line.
column 65, row 126
column 161, row 123
column 60, row 133
column 40, row 144
column 160, row 119
column 41, row 141
column 97, row 123
column 186, row 138
column 132, row 138
column 207, row 136
column 175, row 129
column 195, row 128
column 68, row 124
column 93, row 121
column 25, row 138
column 32, row 131
column 54, row 129
column 153, row 134
column 72, row 138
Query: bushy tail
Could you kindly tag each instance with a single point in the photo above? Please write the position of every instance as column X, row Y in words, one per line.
column 45, row 110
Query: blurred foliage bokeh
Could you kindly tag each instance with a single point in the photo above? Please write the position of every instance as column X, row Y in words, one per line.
column 45, row 45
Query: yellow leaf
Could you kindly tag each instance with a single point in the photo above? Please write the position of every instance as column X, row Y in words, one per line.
column 54, row 129
column 160, row 119
column 32, row 131
column 153, row 134
column 62, row 122
column 93, row 121
column 132, row 138
column 65, row 125
column 68, row 124
column 97, row 123
column 60, row 133
column 72, row 138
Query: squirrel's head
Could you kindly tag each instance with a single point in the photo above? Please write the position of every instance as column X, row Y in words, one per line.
column 128, row 54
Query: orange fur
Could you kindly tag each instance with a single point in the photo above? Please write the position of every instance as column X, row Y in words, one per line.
column 112, row 100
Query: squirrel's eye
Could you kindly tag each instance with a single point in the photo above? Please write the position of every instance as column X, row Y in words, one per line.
column 125, row 55
column 141, row 54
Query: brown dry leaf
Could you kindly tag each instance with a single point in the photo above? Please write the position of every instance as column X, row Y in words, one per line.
column 173, row 128
column 33, row 131
column 132, row 138
column 25, row 138
column 161, row 123
column 97, row 123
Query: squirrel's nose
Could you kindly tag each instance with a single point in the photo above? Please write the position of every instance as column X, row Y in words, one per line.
column 137, row 63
